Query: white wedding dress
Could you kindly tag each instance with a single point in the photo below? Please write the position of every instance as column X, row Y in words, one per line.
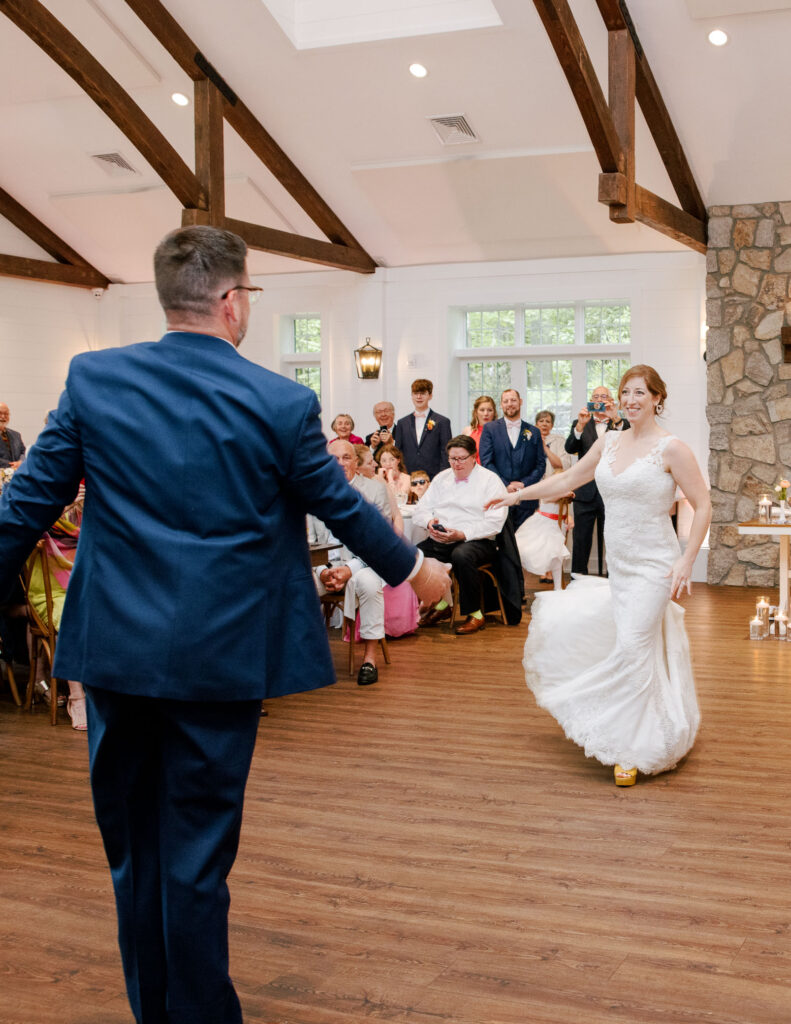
column 609, row 659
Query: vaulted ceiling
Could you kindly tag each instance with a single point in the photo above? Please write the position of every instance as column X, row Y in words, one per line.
column 356, row 123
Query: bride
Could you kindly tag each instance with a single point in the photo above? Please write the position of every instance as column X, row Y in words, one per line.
column 623, row 690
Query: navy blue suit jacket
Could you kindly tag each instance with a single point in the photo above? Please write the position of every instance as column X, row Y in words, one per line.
column 525, row 462
column 192, row 578
column 430, row 455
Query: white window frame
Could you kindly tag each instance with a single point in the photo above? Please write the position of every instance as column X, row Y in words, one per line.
column 520, row 354
column 291, row 361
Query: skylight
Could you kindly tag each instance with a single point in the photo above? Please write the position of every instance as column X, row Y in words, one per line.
column 313, row 23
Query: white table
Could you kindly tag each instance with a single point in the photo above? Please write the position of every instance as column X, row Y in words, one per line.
column 783, row 533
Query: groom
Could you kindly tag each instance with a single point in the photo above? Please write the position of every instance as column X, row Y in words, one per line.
column 199, row 467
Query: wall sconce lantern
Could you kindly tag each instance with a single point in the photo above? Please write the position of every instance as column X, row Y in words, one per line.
column 368, row 359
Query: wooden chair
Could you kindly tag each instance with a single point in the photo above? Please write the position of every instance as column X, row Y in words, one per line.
column 485, row 574
column 7, row 670
column 43, row 634
column 329, row 602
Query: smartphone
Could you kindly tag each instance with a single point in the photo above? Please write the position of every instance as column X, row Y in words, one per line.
column 597, row 406
column 440, row 528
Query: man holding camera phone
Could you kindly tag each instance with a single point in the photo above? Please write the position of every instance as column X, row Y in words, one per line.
column 596, row 418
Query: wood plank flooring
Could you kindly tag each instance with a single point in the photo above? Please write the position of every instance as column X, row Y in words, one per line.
column 431, row 850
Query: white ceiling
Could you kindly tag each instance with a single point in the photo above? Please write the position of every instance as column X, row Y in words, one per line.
column 356, row 123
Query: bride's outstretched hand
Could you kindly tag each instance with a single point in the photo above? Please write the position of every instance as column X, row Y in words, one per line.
column 512, row 498
column 682, row 578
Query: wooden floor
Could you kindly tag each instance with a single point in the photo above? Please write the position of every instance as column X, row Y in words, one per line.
column 431, row 849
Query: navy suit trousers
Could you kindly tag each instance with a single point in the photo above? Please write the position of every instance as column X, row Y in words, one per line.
column 168, row 780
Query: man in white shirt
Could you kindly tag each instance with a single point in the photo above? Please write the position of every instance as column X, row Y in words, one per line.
column 586, row 429
column 460, row 530
column 345, row 569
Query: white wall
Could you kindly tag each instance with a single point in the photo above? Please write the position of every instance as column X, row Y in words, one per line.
column 405, row 311
column 41, row 327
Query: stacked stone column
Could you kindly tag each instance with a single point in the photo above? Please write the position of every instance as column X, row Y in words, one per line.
column 748, row 289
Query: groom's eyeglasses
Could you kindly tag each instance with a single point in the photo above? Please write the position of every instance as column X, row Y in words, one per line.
column 253, row 291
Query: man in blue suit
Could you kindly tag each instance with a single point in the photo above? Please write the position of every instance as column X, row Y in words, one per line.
column 513, row 449
column 191, row 600
column 423, row 435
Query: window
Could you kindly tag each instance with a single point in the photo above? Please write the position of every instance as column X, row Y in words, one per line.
column 519, row 347
column 489, row 378
column 487, row 328
column 307, row 334
column 549, row 325
column 300, row 338
column 310, row 376
column 549, row 387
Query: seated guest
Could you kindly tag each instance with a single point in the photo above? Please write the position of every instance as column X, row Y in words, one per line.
column 418, row 482
column 12, row 449
column 483, row 411
column 422, row 436
column 61, row 540
column 363, row 587
column 393, row 472
column 460, row 530
column 374, row 489
column 384, row 414
column 343, row 425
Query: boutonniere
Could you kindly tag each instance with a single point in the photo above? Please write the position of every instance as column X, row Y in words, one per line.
column 430, row 425
column 527, row 434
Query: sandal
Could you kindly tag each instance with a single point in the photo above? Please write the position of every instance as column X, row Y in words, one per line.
column 75, row 706
column 625, row 776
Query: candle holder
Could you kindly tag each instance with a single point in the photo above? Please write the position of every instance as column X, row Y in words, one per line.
column 757, row 628
column 762, row 611
column 765, row 509
column 781, row 623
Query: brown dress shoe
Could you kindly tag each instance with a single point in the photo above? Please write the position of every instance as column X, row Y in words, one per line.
column 432, row 616
column 470, row 625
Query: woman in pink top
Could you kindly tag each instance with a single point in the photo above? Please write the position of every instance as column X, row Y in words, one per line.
column 483, row 411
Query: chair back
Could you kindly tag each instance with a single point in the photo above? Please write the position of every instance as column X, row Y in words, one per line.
column 46, row 630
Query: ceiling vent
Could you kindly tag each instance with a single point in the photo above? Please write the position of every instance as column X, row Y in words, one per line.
column 115, row 165
column 453, row 130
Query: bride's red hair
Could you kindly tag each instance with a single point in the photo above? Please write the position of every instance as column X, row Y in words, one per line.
column 653, row 382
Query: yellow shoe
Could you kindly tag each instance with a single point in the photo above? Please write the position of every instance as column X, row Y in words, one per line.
column 625, row 776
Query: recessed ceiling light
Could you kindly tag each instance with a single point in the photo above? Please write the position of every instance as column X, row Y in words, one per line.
column 417, row 70
column 180, row 99
column 717, row 37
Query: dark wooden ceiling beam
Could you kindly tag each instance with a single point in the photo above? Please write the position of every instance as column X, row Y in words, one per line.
column 209, row 147
column 616, row 17
column 31, row 226
column 621, row 94
column 300, row 247
column 183, row 50
column 67, row 51
column 70, row 268
column 611, row 128
column 52, row 273
column 663, row 216
column 576, row 63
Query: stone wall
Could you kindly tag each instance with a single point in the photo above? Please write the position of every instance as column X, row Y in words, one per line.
column 748, row 288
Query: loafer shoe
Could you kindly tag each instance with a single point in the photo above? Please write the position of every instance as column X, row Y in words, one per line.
column 432, row 617
column 470, row 625
column 367, row 674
